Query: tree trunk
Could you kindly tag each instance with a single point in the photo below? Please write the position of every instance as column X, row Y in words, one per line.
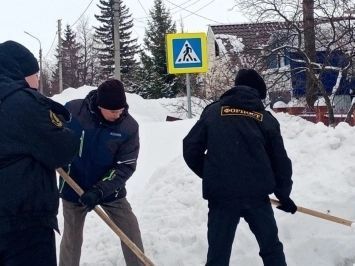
column 350, row 113
column 310, row 49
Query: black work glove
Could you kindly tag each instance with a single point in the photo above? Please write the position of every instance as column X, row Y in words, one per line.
column 91, row 198
column 287, row 205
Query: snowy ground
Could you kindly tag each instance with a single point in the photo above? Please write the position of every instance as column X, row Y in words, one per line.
column 166, row 196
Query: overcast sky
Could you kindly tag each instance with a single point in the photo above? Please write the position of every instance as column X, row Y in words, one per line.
column 39, row 17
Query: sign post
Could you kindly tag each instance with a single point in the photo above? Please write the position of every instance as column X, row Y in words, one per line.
column 188, row 94
column 186, row 53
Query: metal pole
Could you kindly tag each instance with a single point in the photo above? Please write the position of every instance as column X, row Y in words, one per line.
column 188, row 93
column 60, row 62
column 116, row 36
column 40, row 62
column 40, row 71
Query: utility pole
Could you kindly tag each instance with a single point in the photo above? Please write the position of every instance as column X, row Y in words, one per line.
column 310, row 49
column 40, row 63
column 116, row 36
column 60, row 58
column 188, row 94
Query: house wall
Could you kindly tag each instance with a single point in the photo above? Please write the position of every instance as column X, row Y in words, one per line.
column 328, row 78
column 219, row 77
column 211, row 50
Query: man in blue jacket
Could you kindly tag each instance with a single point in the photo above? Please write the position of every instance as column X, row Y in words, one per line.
column 107, row 158
column 237, row 149
column 33, row 143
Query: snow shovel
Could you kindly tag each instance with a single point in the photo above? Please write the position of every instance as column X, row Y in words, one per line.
column 318, row 214
column 107, row 220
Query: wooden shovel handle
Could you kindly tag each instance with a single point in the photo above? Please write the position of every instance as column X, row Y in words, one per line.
column 108, row 221
column 318, row 214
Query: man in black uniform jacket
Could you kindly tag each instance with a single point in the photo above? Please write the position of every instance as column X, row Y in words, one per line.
column 33, row 143
column 237, row 149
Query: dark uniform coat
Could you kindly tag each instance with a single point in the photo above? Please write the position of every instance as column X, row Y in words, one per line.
column 237, row 149
column 108, row 151
column 33, row 143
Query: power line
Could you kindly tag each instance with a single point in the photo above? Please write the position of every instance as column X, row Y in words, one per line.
column 55, row 37
column 193, row 13
column 82, row 13
column 180, row 5
column 175, row 7
column 142, row 7
column 210, row 2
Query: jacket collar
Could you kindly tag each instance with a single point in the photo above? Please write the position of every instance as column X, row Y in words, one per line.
column 243, row 97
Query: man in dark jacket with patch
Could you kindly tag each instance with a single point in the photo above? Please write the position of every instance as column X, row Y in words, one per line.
column 237, row 149
column 107, row 158
column 33, row 143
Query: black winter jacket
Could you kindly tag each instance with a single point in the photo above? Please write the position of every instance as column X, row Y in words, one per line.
column 237, row 148
column 108, row 152
column 33, row 143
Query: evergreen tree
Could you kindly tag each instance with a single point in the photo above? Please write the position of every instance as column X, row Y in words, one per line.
column 105, row 36
column 71, row 62
column 156, row 82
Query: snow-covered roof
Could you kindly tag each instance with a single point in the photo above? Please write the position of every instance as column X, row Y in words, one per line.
column 252, row 35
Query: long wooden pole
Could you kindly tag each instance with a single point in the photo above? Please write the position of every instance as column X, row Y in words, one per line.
column 318, row 214
column 108, row 221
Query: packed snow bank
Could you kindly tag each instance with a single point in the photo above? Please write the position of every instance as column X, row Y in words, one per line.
column 142, row 111
column 166, row 197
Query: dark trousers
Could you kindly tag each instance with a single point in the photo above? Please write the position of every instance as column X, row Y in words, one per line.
column 222, row 224
column 32, row 246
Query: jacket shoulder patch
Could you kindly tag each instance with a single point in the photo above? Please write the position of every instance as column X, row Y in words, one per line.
column 227, row 111
column 55, row 120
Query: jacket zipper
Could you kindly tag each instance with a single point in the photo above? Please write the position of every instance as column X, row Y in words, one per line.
column 81, row 143
column 63, row 181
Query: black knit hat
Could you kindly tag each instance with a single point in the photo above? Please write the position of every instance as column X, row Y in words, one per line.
column 111, row 95
column 22, row 56
column 251, row 78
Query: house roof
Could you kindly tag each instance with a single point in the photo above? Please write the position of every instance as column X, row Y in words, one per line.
column 252, row 35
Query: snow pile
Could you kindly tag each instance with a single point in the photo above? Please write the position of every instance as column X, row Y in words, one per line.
column 229, row 44
column 137, row 105
column 280, row 104
column 166, row 197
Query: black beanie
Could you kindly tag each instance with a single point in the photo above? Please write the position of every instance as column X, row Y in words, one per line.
column 111, row 95
column 22, row 56
column 251, row 78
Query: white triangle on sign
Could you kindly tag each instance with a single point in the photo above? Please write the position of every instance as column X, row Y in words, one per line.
column 187, row 55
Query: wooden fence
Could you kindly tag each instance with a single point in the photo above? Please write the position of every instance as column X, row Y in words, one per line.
column 318, row 114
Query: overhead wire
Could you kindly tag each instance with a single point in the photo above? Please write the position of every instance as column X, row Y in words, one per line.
column 140, row 3
column 190, row 4
column 210, row 2
column 82, row 13
column 50, row 49
column 180, row 5
column 76, row 21
column 193, row 13
column 175, row 7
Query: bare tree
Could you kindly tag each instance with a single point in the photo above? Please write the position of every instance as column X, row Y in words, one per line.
column 90, row 62
column 217, row 81
column 325, row 26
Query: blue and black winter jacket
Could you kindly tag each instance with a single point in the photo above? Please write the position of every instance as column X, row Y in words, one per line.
column 108, row 151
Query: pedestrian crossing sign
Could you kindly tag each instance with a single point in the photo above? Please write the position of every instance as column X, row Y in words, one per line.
column 186, row 52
